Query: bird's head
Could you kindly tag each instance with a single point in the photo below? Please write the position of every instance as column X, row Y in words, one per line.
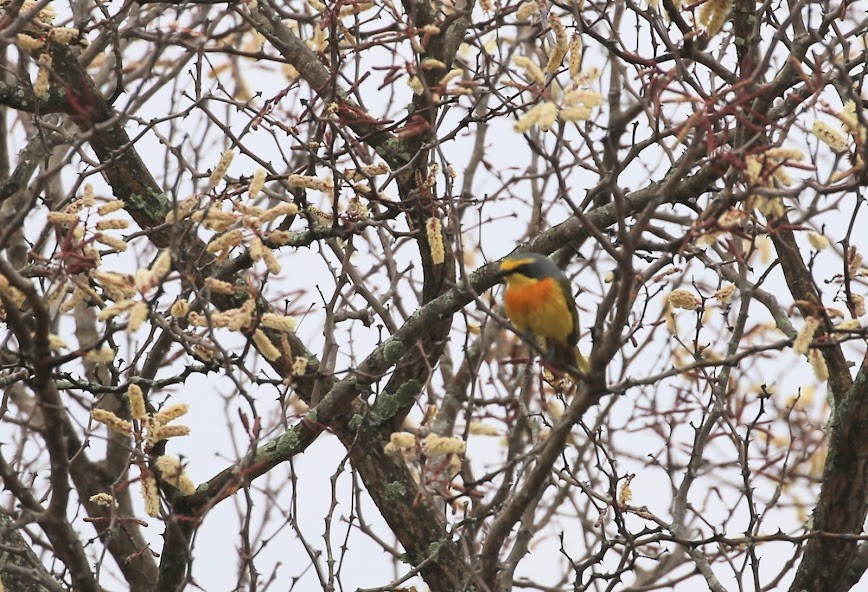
column 529, row 266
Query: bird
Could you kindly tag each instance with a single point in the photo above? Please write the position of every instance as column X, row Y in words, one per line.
column 538, row 300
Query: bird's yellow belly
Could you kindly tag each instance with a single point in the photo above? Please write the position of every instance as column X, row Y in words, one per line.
column 541, row 309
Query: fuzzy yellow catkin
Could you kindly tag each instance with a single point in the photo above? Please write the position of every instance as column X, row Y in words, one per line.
column 55, row 342
column 713, row 14
column 55, row 295
column 179, row 308
column 40, row 85
column 818, row 241
column 575, row 56
column 62, row 218
column 625, row 492
column 434, row 232
column 708, row 239
column 732, row 218
column 241, row 318
column 784, row 153
column 526, row 121
column 753, row 169
column 166, row 432
column 87, row 197
column 556, row 56
column 818, row 363
column 74, row 208
column 829, row 136
column 850, row 121
column 137, row 401
column 357, row 208
column 145, row 280
column 278, row 322
column 103, row 500
column 112, row 224
column 434, row 445
column 171, row 412
column 45, row 15
column 271, row 261
column 246, row 210
column 89, row 294
column 118, row 244
column 858, row 304
column 138, row 314
column 548, row 115
column 65, row 35
column 173, row 473
column 150, row 494
column 284, row 209
column 28, row 43
column 685, row 299
column 577, row 113
column 450, row 75
column 373, row 170
column 725, row 293
column 264, row 345
column 197, row 320
column 220, row 170
column 432, row 64
column 257, row 248
column 103, row 355
column 307, row 182
column 162, row 264
column 527, row 10
column 69, row 304
column 92, row 252
column 280, row 237
column 477, row 428
column 226, row 241
column 204, row 352
column 531, row 69
column 404, row 454
column 854, row 261
column 806, row 335
column 182, row 209
column 770, row 207
column 219, row 286
column 356, row 8
column 402, row 439
column 112, row 421
column 849, row 325
column 416, row 85
column 299, row 366
column 115, row 309
column 215, row 219
column 257, row 183
column 320, row 218
column 583, row 96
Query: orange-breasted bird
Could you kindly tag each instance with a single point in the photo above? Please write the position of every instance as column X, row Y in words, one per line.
column 538, row 300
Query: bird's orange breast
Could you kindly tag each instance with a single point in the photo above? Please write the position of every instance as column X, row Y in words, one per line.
column 539, row 307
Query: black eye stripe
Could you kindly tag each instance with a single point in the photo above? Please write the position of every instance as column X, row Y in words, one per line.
column 530, row 270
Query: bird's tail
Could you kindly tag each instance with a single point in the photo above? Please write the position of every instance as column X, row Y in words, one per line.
column 581, row 362
column 571, row 357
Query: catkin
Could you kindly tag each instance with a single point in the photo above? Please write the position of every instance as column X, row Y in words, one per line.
column 556, row 56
